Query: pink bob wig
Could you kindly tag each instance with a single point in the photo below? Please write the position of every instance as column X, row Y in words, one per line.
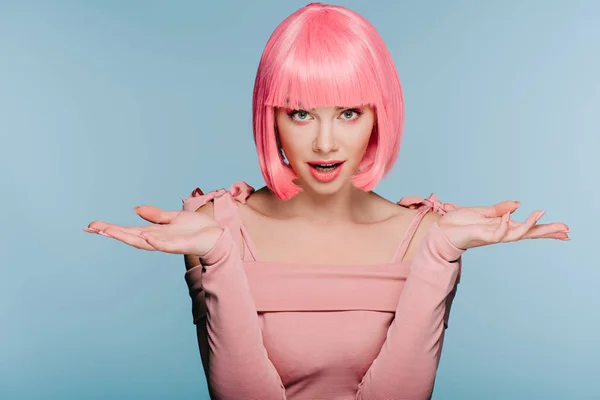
column 326, row 56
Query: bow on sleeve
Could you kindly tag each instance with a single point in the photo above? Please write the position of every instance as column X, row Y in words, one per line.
column 239, row 191
column 431, row 203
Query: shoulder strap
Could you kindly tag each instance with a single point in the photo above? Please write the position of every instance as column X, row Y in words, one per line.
column 431, row 203
column 226, row 213
column 409, row 234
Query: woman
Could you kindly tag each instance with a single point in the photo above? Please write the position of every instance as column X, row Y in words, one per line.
column 314, row 287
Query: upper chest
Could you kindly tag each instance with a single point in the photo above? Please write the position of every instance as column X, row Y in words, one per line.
column 301, row 241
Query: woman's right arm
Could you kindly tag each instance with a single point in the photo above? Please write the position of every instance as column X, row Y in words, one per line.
column 236, row 361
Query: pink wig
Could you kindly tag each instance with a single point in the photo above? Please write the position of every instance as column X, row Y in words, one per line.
column 325, row 56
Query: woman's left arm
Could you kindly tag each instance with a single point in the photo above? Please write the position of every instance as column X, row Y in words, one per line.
column 407, row 364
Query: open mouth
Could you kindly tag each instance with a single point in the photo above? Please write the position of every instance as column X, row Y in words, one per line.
column 325, row 171
column 325, row 167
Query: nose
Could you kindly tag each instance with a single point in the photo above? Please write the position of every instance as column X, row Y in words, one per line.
column 325, row 141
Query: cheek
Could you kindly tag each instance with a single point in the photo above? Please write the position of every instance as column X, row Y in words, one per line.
column 289, row 146
column 293, row 143
column 361, row 141
column 365, row 136
column 295, row 150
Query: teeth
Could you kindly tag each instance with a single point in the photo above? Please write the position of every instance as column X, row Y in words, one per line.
column 328, row 167
column 324, row 165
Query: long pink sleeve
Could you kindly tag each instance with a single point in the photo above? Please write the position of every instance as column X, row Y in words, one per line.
column 407, row 363
column 238, row 362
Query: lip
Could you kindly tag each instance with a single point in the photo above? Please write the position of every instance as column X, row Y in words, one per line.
column 327, row 176
column 325, row 162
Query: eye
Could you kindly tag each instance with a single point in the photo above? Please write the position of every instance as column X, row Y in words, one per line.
column 299, row 115
column 351, row 114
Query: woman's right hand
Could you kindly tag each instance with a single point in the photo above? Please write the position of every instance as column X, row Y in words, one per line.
column 175, row 232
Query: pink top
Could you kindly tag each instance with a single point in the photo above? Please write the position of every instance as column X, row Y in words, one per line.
column 274, row 331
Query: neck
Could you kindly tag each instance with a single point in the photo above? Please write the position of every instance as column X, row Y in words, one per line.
column 343, row 205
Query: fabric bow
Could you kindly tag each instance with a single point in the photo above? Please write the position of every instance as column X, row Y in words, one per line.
column 239, row 191
column 432, row 203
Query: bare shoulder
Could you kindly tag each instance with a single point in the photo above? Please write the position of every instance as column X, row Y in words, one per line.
column 402, row 217
column 208, row 209
column 262, row 201
column 422, row 230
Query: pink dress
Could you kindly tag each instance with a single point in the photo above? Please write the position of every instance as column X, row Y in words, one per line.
column 274, row 331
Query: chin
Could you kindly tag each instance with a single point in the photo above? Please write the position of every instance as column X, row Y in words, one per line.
column 325, row 185
column 326, row 189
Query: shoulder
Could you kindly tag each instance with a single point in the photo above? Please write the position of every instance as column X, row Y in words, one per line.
column 430, row 218
column 432, row 209
column 263, row 201
column 208, row 209
column 201, row 201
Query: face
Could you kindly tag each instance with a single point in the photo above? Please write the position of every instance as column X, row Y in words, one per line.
column 324, row 146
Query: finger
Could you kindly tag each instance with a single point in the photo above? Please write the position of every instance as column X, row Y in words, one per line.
column 100, row 226
column 156, row 215
column 494, row 221
column 127, row 238
column 546, row 229
column 512, row 224
column 558, row 235
column 519, row 232
column 497, row 235
column 555, row 235
column 499, row 209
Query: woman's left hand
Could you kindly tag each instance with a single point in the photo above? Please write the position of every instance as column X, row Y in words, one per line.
column 470, row 227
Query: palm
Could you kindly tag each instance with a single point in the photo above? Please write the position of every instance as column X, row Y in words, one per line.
column 176, row 232
column 466, row 216
column 479, row 226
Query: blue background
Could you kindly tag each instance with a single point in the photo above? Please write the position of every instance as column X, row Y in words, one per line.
column 105, row 105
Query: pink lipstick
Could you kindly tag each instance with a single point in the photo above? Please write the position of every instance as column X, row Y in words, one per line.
column 326, row 170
